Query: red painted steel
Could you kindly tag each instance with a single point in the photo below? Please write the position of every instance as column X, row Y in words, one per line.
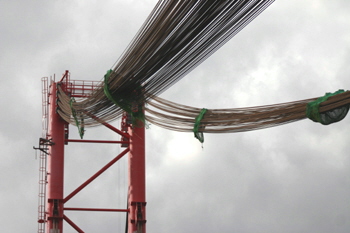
column 96, row 141
column 82, row 88
column 121, row 133
column 113, row 161
column 65, row 78
column 96, row 209
column 70, row 222
column 137, row 180
column 55, row 166
column 79, row 88
column 57, row 137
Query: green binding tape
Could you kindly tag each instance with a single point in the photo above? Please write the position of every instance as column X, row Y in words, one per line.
column 106, row 87
column 80, row 126
column 128, row 103
column 313, row 113
column 197, row 134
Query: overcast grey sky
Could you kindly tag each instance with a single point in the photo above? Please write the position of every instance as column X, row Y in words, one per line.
column 292, row 178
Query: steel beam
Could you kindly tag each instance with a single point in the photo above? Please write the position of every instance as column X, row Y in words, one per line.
column 55, row 166
column 95, row 209
column 88, row 181
column 137, row 180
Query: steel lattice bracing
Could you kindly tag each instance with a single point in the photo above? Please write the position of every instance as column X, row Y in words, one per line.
column 57, row 138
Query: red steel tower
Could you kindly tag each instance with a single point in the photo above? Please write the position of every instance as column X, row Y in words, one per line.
column 52, row 202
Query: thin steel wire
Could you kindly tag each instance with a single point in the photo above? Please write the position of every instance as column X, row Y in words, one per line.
column 175, row 38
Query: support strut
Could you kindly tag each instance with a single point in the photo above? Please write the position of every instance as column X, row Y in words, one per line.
column 137, row 181
column 55, row 166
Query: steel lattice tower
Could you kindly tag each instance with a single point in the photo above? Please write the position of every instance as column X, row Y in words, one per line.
column 52, row 202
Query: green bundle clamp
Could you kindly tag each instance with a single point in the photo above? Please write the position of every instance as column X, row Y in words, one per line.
column 197, row 134
column 312, row 110
column 74, row 113
column 129, row 105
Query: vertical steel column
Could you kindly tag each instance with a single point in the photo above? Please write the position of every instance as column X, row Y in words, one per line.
column 55, row 165
column 137, row 180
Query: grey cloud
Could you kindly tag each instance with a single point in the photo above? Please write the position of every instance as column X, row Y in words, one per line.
column 292, row 178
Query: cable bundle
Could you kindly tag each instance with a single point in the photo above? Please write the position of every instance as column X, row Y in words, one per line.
column 176, row 37
column 184, row 118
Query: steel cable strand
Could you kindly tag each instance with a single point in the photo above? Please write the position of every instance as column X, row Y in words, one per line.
column 151, row 72
column 235, row 120
column 168, row 47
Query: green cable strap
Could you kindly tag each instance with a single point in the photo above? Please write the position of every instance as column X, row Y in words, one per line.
column 128, row 103
column 106, row 87
column 199, row 135
column 312, row 108
column 80, row 126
